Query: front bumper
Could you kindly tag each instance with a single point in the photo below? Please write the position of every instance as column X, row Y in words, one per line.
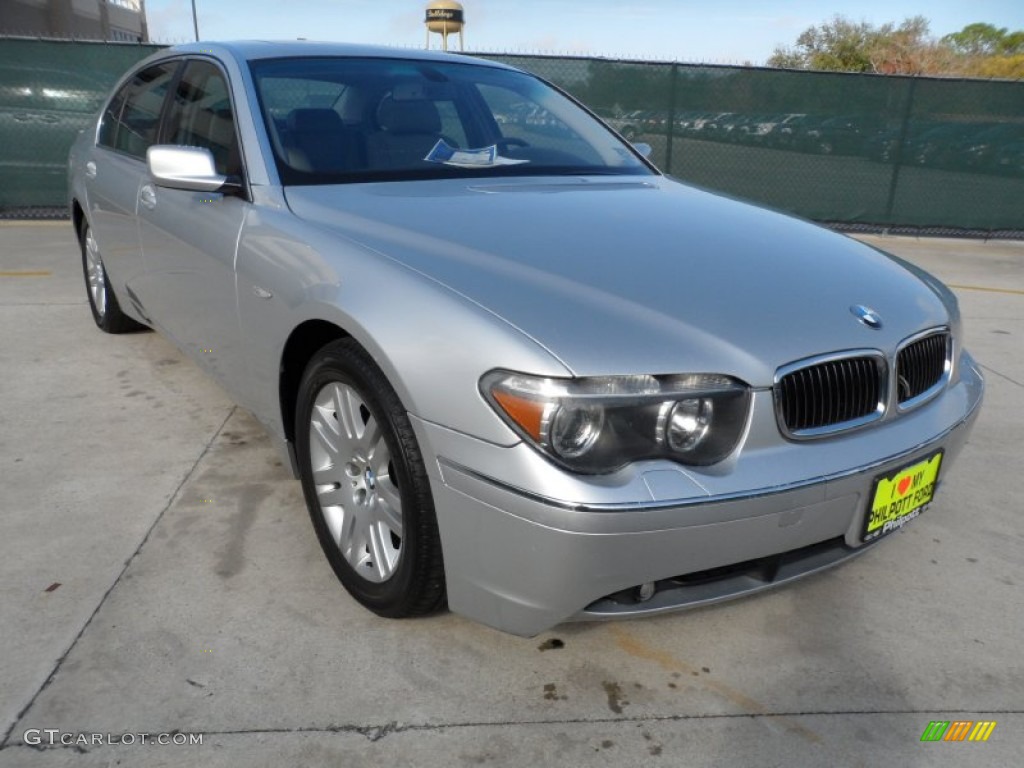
column 522, row 560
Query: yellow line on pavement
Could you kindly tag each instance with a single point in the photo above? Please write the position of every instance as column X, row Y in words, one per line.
column 33, row 223
column 1011, row 291
column 27, row 273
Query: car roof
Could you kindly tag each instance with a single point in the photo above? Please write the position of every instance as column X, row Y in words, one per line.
column 253, row 50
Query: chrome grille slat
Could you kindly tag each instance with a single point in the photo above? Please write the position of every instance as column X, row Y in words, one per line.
column 829, row 396
column 857, row 377
column 805, row 391
column 819, row 412
column 843, row 401
column 798, row 404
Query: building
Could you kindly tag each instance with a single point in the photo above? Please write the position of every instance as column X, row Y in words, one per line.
column 108, row 20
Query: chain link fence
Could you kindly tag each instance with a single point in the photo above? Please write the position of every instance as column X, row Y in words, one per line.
column 862, row 152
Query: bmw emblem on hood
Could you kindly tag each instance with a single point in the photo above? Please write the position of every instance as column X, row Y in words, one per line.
column 867, row 316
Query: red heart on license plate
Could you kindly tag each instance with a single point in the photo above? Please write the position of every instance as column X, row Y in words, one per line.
column 903, row 486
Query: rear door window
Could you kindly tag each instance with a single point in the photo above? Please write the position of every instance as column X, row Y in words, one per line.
column 131, row 120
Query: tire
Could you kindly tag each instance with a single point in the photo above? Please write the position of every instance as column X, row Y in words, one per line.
column 105, row 309
column 366, row 486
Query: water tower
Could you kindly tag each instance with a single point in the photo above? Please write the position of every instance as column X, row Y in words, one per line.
column 445, row 17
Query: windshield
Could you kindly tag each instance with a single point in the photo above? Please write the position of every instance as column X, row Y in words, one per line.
column 333, row 120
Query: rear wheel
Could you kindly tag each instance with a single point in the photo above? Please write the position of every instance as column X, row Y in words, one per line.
column 366, row 485
column 105, row 309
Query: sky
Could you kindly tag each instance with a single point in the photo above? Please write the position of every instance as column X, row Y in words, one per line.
column 711, row 31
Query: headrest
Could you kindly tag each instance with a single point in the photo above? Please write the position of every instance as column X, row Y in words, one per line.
column 304, row 120
column 406, row 117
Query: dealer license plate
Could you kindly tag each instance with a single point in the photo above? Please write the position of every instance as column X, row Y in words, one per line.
column 901, row 496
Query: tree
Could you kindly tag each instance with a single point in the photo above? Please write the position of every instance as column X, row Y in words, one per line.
column 989, row 51
column 900, row 50
column 909, row 49
column 840, row 45
column 1005, row 67
column 986, row 40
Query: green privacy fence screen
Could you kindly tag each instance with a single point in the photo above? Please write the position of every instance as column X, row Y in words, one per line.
column 938, row 154
column 48, row 92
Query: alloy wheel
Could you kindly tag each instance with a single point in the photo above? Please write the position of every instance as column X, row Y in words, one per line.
column 95, row 274
column 355, row 482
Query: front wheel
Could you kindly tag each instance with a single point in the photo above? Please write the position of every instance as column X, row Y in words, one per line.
column 366, row 486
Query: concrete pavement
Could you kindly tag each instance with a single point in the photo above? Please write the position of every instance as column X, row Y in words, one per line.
column 193, row 596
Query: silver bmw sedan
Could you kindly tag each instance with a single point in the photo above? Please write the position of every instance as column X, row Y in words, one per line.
column 516, row 369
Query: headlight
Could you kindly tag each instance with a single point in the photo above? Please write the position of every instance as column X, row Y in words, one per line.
column 598, row 425
column 573, row 429
column 684, row 424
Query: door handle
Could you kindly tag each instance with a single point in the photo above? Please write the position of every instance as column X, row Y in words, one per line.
column 147, row 196
column 90, row 170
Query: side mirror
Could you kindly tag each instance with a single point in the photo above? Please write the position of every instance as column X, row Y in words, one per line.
column 190, row 168
column 643, row 148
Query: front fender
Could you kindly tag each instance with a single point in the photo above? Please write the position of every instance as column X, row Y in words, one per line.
column 432, row 343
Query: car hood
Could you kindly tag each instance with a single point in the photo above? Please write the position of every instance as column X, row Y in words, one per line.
column 635, row 274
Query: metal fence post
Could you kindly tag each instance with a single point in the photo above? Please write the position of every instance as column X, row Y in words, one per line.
column 898, row 151
column 670, row 127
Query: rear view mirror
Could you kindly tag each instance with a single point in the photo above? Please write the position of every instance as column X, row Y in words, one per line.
column 190, row 168
column 643, row 148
